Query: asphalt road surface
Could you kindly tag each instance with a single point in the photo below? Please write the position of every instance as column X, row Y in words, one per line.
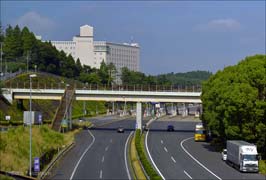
column 177, row 156
column 98, row 153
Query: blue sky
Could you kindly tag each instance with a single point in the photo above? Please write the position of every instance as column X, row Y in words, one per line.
column 175, row 36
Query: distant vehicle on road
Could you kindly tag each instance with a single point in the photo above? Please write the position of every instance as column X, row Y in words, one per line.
column 170, row 128
column 120, row 130
column 242, row 155
column 224, row 154
column 200, row 133
column 145, row 127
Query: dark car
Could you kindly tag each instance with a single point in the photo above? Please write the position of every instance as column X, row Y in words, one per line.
column 120, row 130
column 170, row 128
column 145, row 127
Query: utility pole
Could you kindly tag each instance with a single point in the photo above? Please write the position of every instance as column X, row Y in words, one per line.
column 1, row 58
column 27, row 61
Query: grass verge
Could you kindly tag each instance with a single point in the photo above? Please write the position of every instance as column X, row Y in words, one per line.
column 138, row 172
column 143, row 158
column 262, row 167
column 14, row 146
column 4, row 177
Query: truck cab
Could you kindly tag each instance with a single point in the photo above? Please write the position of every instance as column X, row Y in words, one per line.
column 249, row 158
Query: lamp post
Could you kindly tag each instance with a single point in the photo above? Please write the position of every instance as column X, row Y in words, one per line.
column 66, row 111
column 31, row 76
column 1, row 59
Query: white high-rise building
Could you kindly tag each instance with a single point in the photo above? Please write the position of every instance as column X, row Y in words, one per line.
column 92, row 53
column 81, row 47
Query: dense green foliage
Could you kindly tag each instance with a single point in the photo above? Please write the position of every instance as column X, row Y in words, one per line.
column 184, row 79
column 262, row 166
column 144, row 161
column 234, row 102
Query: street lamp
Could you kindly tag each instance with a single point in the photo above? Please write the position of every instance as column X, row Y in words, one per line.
column 84, row 103
column 66, row 111
column 31, row 76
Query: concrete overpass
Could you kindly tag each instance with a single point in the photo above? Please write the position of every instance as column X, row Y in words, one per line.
column 105, row 95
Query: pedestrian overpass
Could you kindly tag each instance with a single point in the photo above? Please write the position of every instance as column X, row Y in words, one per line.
column 105, row 95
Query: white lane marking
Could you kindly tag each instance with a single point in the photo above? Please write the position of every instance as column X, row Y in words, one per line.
column 173, row 159
column 106, row 149
column 125, row 155
column 102, row 159
column 161, row 141
column 111, row 140
column 86, row 150
column 165, row 149
column 147, row 148
column 197, row 160
column 101, row 174
column 187, row 175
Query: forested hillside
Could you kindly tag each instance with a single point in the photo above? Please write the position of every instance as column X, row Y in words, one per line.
column 21, row 50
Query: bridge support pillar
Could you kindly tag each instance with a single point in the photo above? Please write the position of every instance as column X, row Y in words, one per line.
column 185, row 110
column 139, row 116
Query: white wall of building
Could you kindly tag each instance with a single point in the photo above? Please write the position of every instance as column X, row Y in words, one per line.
column 92, row 53
column 69, row 47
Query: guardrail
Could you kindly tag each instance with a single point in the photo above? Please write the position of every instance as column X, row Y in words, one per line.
column 52, row 163
column 151, row 88
column 19, row 176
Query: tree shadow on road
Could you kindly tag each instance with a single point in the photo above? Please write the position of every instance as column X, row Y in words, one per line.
column 133, row 129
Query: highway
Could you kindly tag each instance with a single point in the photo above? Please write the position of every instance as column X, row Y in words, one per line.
column 99, row 152
column 177, row 156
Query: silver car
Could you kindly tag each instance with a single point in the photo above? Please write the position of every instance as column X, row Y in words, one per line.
column 224, row 154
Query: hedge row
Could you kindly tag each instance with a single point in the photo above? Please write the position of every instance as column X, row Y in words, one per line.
column 144, row 161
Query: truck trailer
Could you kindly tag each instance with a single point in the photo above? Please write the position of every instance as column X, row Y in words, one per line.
column 242, row 155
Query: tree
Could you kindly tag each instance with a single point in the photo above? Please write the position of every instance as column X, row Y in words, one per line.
column 111, row 73
column 234, row 105
column 1, row 33
column 78, row 67
column 103, row 73
column 28, row 40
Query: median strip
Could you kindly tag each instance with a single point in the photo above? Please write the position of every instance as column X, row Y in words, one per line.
column 135, row 162
column 150, row 171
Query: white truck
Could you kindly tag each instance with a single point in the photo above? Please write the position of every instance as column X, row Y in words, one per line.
column 242, row 155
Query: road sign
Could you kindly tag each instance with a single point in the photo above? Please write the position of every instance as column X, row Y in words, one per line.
column 36, row 164
column 40, row 118
column 64, row 123
column 8, row 118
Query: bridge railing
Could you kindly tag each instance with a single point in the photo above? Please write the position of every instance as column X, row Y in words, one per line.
column 160, row 88
column 58, row 85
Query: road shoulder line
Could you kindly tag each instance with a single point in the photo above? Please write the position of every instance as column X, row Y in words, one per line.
column 125, row 155
column 86, row 150
column 181, row 144
column 146, row 144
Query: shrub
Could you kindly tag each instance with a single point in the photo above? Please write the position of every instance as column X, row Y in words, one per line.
column 144, row 161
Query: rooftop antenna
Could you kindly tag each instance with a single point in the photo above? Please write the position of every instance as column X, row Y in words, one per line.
column 131, row 39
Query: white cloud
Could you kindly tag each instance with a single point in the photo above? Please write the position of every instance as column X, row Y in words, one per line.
column 40, row 25
column 228, row 24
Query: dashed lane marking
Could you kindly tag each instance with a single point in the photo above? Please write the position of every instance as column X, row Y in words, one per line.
column 187, row 175
column 165, row 149
column 173, row 159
